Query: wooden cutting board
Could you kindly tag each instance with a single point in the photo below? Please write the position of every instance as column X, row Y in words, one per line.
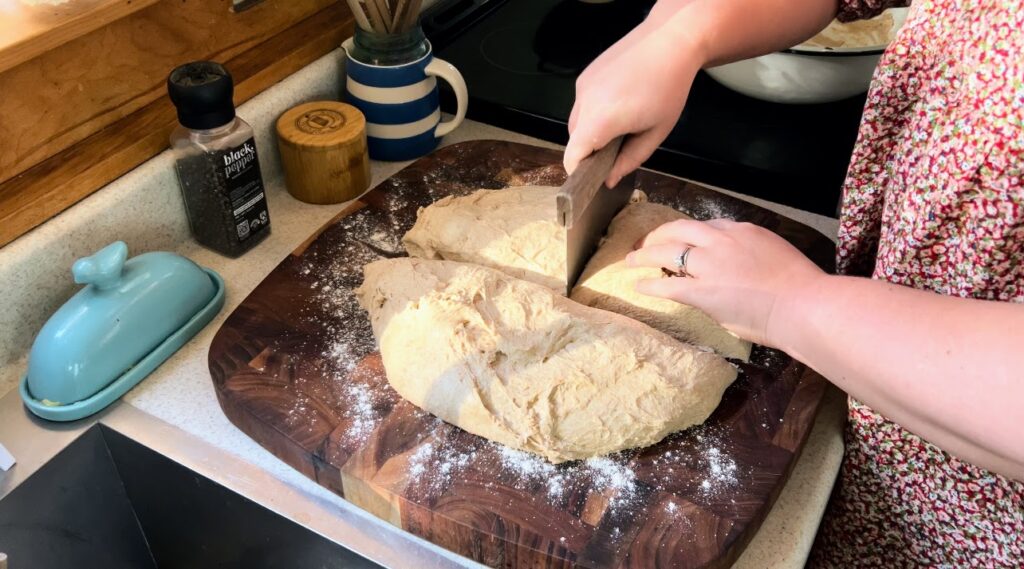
column 295, row 368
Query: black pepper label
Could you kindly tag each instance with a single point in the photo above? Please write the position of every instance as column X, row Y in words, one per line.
column 244, row 188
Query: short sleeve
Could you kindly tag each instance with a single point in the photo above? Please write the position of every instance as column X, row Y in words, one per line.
column 850, row 10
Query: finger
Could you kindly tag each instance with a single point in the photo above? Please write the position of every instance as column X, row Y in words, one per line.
column 573, row 115
column 594, row 130
column 722, row 223
column 672, row 288
column 667, row 256
column 689, row 231
column 664, row 255
column 634, row 152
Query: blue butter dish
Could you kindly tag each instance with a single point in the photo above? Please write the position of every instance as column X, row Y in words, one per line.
column 131, row 316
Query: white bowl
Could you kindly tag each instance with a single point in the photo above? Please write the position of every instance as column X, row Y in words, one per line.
column 806, row 73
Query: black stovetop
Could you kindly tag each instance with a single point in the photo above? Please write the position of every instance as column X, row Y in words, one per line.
column 520, row 59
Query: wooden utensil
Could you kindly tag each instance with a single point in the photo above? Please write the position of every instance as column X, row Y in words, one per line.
column 401, row 6
column 377, row 21
column 360, row 15
column 407, row 19
column 295, row 368
column 385, row 16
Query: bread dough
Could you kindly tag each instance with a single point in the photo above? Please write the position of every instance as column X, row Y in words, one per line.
column 517, row 363
column 607, row 283
column 514, row 230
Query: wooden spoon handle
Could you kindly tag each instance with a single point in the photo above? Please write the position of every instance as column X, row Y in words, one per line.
column 376, row 18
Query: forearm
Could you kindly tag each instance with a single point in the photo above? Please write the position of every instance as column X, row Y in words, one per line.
column 730, row 30
column 950, row 370
column 639, row 85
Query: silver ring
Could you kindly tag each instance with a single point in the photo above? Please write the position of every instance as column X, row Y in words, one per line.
column 681, row 261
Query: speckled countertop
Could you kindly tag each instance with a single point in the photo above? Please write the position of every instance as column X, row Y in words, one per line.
column 143, row 208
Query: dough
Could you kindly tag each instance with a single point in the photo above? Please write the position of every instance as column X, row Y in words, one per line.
column 517, row 363
column 514, row 230
column 608, row 284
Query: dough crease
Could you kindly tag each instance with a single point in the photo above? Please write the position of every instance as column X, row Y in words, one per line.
column 514, row 231
column 517, row 363
column 607, row 283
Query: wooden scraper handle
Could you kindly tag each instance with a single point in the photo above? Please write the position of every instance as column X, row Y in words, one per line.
column 583, row 184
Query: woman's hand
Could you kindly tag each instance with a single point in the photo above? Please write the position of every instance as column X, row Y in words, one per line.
column 638, row 87
column 740, row 274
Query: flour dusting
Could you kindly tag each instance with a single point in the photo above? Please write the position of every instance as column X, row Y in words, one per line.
column 373, row 234
column 721, row 471
column 707, row 208
column 527, row 465
column 418, row 460
column 615, row 476
column 601, row 474
column 698, row 461
column 361, row 411
column 524, row 463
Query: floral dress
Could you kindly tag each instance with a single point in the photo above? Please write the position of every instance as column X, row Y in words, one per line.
column 934, row 199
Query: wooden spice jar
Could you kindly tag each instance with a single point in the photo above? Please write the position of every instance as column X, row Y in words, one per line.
column 323, row 152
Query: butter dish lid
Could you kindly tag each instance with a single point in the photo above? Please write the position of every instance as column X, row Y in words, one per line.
column 131, row 315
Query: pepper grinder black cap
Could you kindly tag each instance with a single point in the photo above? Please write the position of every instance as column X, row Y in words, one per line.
column 202, row 91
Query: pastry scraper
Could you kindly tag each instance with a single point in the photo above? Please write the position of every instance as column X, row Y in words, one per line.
column 586, row 206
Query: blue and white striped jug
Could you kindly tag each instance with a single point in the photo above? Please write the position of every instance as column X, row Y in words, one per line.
column 401, row 103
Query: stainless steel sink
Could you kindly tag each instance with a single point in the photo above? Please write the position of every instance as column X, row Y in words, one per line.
column 108, row 501
column 126, row 490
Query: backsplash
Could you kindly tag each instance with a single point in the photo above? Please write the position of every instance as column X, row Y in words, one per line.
column 142, row 208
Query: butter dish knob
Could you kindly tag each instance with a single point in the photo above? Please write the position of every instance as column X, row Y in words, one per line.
column 102, row 269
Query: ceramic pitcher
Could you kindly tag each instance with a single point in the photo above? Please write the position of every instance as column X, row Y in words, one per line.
column 392, row 79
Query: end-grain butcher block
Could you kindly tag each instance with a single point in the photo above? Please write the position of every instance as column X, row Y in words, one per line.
column 607, row 283
column 517, row 363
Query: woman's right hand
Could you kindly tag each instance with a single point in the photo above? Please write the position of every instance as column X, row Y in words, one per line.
column 637, row 87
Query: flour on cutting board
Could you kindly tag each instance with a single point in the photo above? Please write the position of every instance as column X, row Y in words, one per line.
column 437, row 463
column 361, row 410
column 705, row 209
column 703, row 459
column 352, row 339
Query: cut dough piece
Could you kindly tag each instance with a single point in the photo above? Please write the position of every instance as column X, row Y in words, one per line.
column 517, row 363
column 607, row 283
column 513, row 230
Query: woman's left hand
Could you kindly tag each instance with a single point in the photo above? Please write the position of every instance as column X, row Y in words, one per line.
column 739, row 273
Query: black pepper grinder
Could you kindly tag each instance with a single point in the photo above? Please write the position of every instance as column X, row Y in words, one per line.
column 215, row 157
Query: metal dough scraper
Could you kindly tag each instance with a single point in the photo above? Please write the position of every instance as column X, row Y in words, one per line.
column 586, row 206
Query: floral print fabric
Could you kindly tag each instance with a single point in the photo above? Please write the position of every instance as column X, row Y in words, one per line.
column 934, row 199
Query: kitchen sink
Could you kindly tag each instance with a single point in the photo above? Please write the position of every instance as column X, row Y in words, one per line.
column 108, row 501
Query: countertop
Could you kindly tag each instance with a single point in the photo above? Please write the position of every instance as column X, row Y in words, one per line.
column 144, row 209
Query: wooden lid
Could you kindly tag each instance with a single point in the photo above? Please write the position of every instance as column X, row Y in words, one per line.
column 321, row 125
